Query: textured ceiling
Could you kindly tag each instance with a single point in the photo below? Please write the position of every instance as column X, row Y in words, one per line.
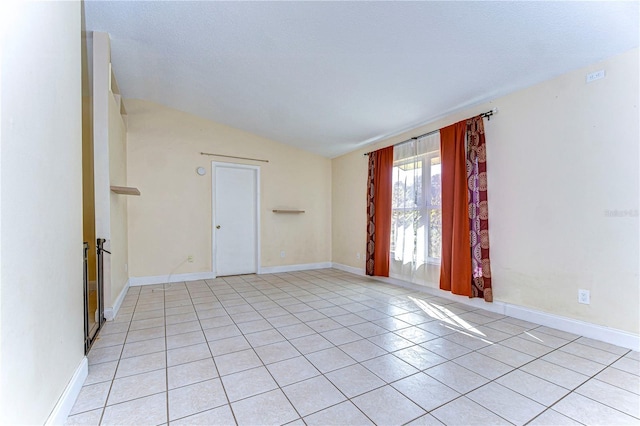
column 329, row 77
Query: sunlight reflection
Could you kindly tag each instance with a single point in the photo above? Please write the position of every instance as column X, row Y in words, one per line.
column 471, row 335
column 535, row 337
column 445, row 315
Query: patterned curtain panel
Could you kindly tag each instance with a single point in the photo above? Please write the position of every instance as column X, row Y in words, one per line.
column 465, row 268
column 379, row 212
column 478, row 209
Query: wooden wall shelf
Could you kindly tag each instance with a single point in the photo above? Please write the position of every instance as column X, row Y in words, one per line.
column 125, row 190
column 287, row 211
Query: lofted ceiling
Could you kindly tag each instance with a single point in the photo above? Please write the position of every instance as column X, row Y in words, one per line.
column 330, row 77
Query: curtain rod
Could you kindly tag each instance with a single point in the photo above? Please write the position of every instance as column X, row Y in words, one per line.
column 231, row 156
column 486, row 114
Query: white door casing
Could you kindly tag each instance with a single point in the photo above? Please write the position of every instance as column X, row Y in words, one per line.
column 235, row 218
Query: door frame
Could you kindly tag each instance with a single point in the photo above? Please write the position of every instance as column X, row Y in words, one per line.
column 214, row 248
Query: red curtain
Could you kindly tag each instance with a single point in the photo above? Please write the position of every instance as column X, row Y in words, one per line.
column 379, row 189
column 455, row 266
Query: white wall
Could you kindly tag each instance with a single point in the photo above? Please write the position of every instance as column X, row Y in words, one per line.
column 41, row 327
column 110, row 168
column 172, row 218
column 117, row 202
column 560, row 156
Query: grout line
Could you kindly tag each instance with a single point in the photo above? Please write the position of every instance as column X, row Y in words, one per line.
column 166, row 353
column 211, row 353
column 592, row 377
column 115, row 372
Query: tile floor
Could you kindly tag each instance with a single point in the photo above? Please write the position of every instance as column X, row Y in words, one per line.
column 330, row 348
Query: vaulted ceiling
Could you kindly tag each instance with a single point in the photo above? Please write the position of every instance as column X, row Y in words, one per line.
column 329, row 77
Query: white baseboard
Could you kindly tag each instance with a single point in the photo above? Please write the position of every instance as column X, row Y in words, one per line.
column 570, row 325
column 174, row 278
column 293, row 268
column 351, row 269
column 559, row 322
column 111, row 312
column 65, row 403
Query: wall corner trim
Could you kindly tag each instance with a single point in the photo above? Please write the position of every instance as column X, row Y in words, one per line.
column 65, row 403
column 111, row 312
column 582, row 328
column 172, row 278
column 293, row 268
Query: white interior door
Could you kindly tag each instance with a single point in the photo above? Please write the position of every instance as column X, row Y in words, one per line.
column 235, row 218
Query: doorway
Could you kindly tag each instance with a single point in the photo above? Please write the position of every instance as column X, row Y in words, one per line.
column 235, row 218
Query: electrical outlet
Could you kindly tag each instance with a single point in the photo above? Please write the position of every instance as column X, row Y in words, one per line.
column 595, row 76
column 126, row 267
column 282, row 254
column 358, row 255
column 584, row 297
column 190, row 258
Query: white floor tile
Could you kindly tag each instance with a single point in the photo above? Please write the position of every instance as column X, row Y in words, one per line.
column 425, row 391
column 463, row 411
column 588, row 411
column 483, row 365
column 341, row 414
column 354, row 380
column 191, row 372
column 419, row 357
column 101, row 372
column 387, row 406
column 148, row 410
column 195, row 398
column 248, row 383
column 137, row 386
column 533, row 387
column 91, row 397
column 187, row 354
column 141, row 364
column 506, row 403
column 330, row 359
column 553, row 373
column 396, row 353
column 456, row 377
column 613, row 396
column 621, row 379
column 389, row 368
column 313, row 395
column 292, row 370
column 88, row 418
column 251, row 411
column 553, row 418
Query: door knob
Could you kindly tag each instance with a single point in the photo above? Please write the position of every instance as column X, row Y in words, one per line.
column 218, row 227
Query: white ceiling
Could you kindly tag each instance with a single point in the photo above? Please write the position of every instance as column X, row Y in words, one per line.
column 329, row 77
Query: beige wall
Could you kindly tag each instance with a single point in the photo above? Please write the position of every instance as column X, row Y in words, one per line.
column 88, row 210
column 118, row 203
column 41, row 327
column 560, row 155
column 172, row 218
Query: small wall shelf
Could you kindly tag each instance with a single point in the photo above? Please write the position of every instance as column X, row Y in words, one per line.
column 287, row 211
column 125, row 190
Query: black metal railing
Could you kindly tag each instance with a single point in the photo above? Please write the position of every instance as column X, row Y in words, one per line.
column 90, row 333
